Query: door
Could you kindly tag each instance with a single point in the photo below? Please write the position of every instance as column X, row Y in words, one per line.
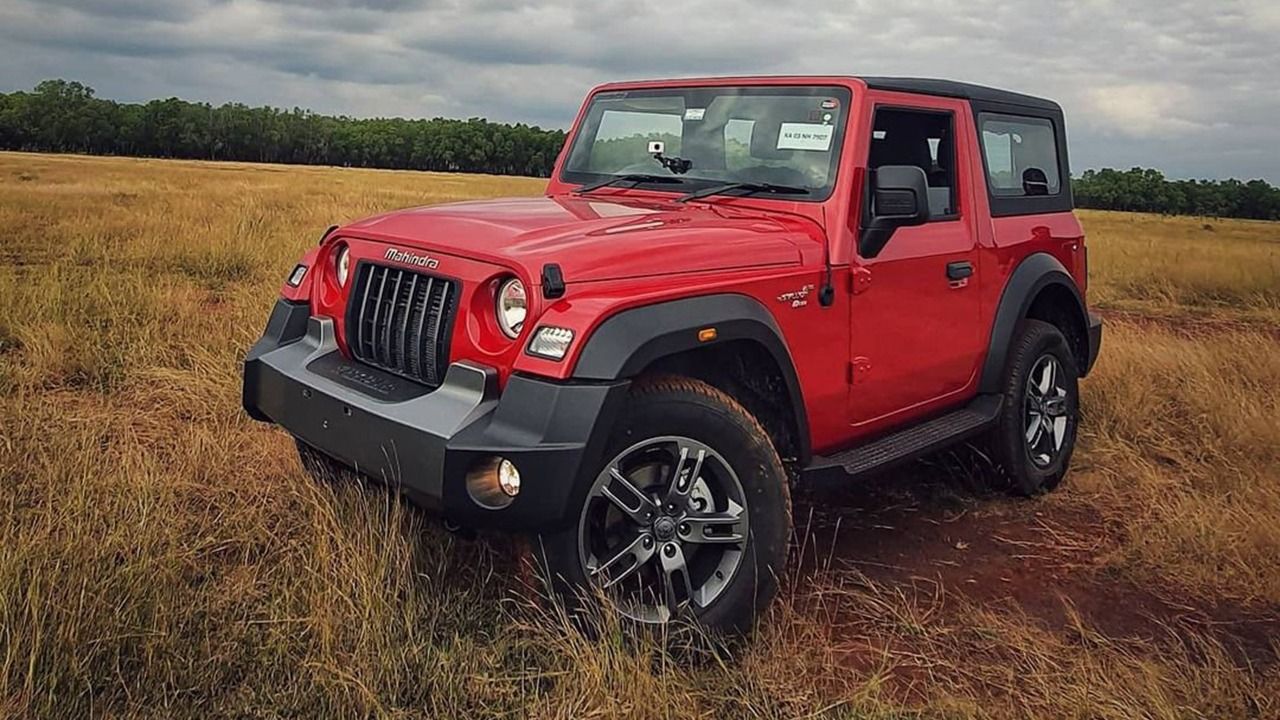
column 915, row 332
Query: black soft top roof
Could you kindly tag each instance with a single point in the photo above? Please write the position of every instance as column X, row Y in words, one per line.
column 968, row 91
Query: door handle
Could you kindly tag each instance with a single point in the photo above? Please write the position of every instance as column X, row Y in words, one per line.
column 959, row 270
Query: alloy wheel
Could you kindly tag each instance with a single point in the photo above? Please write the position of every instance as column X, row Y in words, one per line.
column 664, row 528
column 1045, row 411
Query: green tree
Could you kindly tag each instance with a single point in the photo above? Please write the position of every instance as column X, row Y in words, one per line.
column 64, row 116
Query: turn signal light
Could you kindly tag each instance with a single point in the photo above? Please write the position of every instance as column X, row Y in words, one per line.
column 551, row 342
column 295, row 277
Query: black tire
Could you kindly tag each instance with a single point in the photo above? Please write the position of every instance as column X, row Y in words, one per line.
column 685, row 413
column 1028, row 468
column 318, row 465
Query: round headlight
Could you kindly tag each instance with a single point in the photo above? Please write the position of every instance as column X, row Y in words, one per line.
column 511, row 307
column 342, row 265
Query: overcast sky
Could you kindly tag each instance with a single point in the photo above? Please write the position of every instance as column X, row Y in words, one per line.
column 1192, row 88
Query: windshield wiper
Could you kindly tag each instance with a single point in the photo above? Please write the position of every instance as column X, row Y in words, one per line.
column 747, row 188
column 633, row 178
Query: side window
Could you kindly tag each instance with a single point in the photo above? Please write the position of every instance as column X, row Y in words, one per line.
column 924, row 138
column 623, row 139
column 1021, row 154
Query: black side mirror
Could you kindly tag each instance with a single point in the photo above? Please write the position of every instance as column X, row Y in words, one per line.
column 899, row 198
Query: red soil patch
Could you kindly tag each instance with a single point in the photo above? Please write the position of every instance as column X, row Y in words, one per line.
column 1042, row 558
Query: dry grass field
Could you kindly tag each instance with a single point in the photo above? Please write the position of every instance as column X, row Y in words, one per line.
column 163, row 556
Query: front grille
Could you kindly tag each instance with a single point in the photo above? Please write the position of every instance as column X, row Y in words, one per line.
column 400, row 320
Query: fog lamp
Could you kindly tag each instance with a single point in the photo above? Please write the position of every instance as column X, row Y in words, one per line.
column 493, row 482
column 508, row 478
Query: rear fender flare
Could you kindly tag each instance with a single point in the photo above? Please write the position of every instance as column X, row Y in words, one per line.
column 1033, row 274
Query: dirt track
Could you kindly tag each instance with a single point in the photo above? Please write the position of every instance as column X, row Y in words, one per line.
column 1192, row 326
column 921, row 531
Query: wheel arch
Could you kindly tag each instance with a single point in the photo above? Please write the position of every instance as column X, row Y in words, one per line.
column 1040, row 288
column 748, row 348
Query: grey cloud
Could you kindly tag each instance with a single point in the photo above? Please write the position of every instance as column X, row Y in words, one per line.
column 1188, row 87
column 377, row 5
column 288, row 46
column 131, row 9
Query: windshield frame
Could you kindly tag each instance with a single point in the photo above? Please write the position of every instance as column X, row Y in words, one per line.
column 842, row 93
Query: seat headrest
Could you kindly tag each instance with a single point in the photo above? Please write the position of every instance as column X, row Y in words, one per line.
column 946, row 151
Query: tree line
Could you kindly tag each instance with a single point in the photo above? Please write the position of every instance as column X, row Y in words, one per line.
column 1146, row 190
column 65, row 116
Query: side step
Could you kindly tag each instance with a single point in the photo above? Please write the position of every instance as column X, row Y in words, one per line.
column 915, row 441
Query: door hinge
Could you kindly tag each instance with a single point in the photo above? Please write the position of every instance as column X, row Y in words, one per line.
column 859, row 280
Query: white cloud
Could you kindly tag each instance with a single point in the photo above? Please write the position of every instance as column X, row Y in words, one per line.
column 1151, row 110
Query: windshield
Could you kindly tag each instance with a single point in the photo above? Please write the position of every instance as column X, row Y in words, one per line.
column 778, row 135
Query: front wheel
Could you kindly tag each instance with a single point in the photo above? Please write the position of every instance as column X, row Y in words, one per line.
column 689, row 516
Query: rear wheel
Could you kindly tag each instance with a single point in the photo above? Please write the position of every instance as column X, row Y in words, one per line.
column 1036, row 434
column 688, row 517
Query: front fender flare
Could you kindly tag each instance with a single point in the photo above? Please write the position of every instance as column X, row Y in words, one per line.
column 626, row 343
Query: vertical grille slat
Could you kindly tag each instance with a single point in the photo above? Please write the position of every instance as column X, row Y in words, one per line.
column 419, row 366
column 360, row 316
column 405, row 365
column 436, row 309
column 377, row 311
column 392, row 301
column 399, row 320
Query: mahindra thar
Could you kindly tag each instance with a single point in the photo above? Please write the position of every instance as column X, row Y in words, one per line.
column 730, row 284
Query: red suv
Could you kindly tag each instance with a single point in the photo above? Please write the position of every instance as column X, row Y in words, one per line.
column 730, row 283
